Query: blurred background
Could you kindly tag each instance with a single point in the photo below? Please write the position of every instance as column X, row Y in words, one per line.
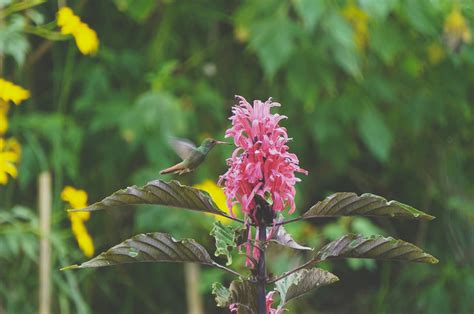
column 380, row 99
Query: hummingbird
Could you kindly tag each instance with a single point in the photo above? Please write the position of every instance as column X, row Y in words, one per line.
column 192, row 156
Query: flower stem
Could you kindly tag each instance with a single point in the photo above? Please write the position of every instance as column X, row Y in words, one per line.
column 261, row 270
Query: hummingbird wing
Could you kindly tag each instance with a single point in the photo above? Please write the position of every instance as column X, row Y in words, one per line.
column 183, row 147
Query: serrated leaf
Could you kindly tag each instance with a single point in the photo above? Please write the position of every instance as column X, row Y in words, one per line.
column 222, row 294
column 350, row 204
column 302, row 281
column 158, row 192
column 282, row 237
column 150, row 247
column 226, row 240
column 377, row 247
column 242, row 293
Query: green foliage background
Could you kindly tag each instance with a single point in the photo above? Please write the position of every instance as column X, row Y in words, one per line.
column 384, row 118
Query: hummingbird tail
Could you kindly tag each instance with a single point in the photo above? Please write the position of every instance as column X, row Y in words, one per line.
column 175, row 168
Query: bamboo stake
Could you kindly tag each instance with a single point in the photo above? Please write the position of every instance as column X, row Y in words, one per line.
column 44, row 206
column 192, row 274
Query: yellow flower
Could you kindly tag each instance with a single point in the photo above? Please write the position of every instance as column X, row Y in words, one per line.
column 78, row 199
column 8, row 160
column 217, row 194
column 3, row 123
column 456, row 30
column 83, row 238
column 13, row 145
column 242, row 33
column 12, row 92
column 4, row 106
column 358, row 19
column 86, row 38
column 67, row 20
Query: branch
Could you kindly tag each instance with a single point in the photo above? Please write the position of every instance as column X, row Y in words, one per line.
column 233, row 272
column 284, row 222
column 233, row 218
column 284, row 275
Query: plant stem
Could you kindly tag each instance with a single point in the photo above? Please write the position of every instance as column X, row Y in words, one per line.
column 233, row 272
column 233, row 218
column 305, row 265
column 261, row 269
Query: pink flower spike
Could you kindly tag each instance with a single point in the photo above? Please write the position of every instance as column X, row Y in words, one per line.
column 261, row 164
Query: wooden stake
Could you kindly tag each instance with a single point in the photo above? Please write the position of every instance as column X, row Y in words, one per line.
column 192, row 274
column 44, row 206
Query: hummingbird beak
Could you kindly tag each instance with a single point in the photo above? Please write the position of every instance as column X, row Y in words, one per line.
column 219, row 142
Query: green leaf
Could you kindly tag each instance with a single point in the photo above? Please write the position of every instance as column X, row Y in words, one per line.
column 302, row 281
column 18, row 6
column 273, row 41
column 375, row 134
column 344, row 50
column 150, row 247
column 158, row 192
column 243, row 293
column 226, row 239
column 12, row 40
column 309, row 11
column 376, row 8
column 365, row 226
column 139, row 10
column 419, row 14
column 222, row 294
column 348, row 60
column 350, row 204
column 387, row 50
column 377, row 247
column 282, row 237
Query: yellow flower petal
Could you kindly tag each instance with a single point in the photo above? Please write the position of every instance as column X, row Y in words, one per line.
column 3, row 178
column 9, row 156
column 217, row 194
column 12, row 92
column 80, row 215
column 359, row 21
column 86, row 38
column 456, row 29
column 82, row 236
column 76, row 198
column 3, row 123
column 4, row 107
column 14, row 146
column 10, row 169
column 8, row 159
